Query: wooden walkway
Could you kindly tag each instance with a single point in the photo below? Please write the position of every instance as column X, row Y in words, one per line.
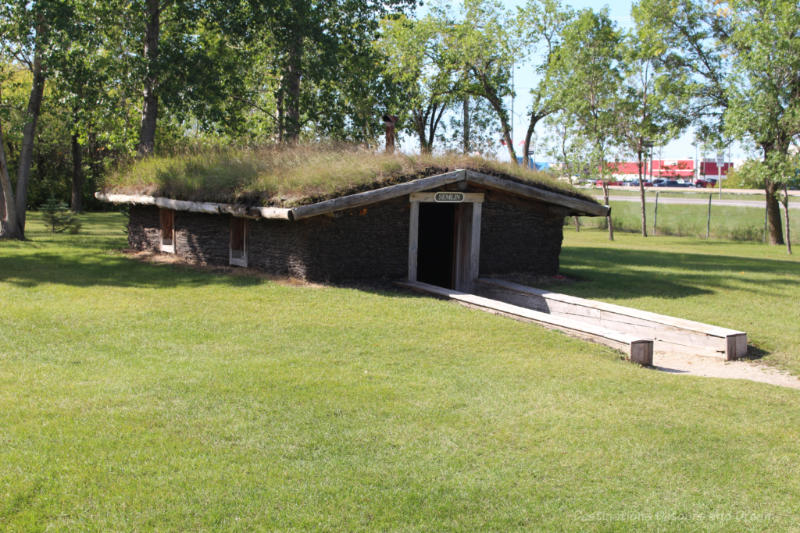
column 638, row 334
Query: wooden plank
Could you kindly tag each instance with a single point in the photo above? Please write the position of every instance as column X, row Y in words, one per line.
column 469, row 197
column 475, row 243
column 578, row 206
column 629, row 311
column 634, row 347
column 463, row 278
column 210, row 208
column 642, row 352
column 668, row 339
column 376, row 195
column 413, row 239
column 736, row 346
column 671, row 334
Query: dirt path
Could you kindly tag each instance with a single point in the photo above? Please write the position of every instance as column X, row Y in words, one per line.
column 717, row 368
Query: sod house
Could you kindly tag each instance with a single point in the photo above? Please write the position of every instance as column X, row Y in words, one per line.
column 439, row 225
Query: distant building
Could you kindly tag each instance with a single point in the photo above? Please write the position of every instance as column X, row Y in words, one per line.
column 684, row 169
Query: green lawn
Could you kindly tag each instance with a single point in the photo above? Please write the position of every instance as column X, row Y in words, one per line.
column 139, row 397
column 727, row 222
column 687, row 192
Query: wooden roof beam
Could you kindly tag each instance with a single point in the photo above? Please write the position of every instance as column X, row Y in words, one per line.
column 576, row 205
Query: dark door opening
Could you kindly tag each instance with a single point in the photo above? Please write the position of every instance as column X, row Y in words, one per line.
column 436, row 244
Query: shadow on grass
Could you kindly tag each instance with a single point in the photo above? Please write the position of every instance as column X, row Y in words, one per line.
column 103, row 269
column 613, row 273
column 754, row 353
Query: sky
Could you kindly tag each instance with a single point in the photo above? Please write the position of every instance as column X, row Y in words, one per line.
column 524, row 80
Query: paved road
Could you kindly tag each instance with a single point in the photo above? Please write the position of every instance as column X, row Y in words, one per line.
column 651, row 198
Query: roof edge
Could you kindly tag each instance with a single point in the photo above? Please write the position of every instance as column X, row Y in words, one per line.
column 377, row 195
column 577, row 205
column 210, row 208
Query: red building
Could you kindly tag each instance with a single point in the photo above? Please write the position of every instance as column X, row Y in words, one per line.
column 673, row 169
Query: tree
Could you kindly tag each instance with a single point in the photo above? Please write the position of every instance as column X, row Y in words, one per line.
column 541, row 23
column 312, row 42
column 482, row 45
column 692, row 33
column 478, row 135
column 34, row 34
column 9, row 222
column 781, row 169
column 416, row 60
column 652, row 107
column 764, row 89
column 587, row 74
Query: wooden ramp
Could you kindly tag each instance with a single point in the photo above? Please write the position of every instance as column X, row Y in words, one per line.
column 671, row 335
column 639, row 349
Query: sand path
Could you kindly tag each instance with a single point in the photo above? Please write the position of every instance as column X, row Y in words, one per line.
column 718, row 368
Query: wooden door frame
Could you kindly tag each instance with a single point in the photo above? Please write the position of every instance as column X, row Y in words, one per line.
column 466, row 256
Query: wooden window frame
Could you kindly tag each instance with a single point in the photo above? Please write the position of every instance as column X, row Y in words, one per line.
column 238, row 261
column 169, row 247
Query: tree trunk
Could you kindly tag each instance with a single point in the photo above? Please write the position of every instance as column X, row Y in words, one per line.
column 774, row 225
column 147, row 130
column 28, row 138
column 508, row 140
column 466, row 124
column 490, row 94
column 9, row 224
column 641, row 194
column 76, row 203
column 434, row 125
column 535, row 118
column 786, row 216
column 608, row 218
column 281, row 112
column 420, row 120
column 292, row 79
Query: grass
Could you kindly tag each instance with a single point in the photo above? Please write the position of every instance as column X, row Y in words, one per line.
column 727, row 222
column 136, row 396
column 690, row 192
column 281, row 176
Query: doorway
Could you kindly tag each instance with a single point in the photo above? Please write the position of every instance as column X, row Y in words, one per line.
column 436, row 248
column 444, row 238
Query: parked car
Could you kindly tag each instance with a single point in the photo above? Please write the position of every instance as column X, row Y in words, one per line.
column 705, row 182
column 635, row 183
column 599, row 183
column 659, row 182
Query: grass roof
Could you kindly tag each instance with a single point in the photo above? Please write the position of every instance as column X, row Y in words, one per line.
column 288, row 177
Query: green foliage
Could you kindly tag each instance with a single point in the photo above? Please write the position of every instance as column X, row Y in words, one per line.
column 481, row 43
column 588, row 73
column 58, row 217
column 687, row 34
column 418, row 60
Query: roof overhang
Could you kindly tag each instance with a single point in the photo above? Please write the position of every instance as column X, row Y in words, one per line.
column 575, row 206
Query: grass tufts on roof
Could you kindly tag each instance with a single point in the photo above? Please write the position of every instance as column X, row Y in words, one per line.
column 290, row 176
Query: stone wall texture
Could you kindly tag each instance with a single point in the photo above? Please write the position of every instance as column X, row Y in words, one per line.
column 519, row 239
column 358, row 244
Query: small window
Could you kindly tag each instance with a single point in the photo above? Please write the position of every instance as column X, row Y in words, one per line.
column 238, row 255
column 167, row 230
